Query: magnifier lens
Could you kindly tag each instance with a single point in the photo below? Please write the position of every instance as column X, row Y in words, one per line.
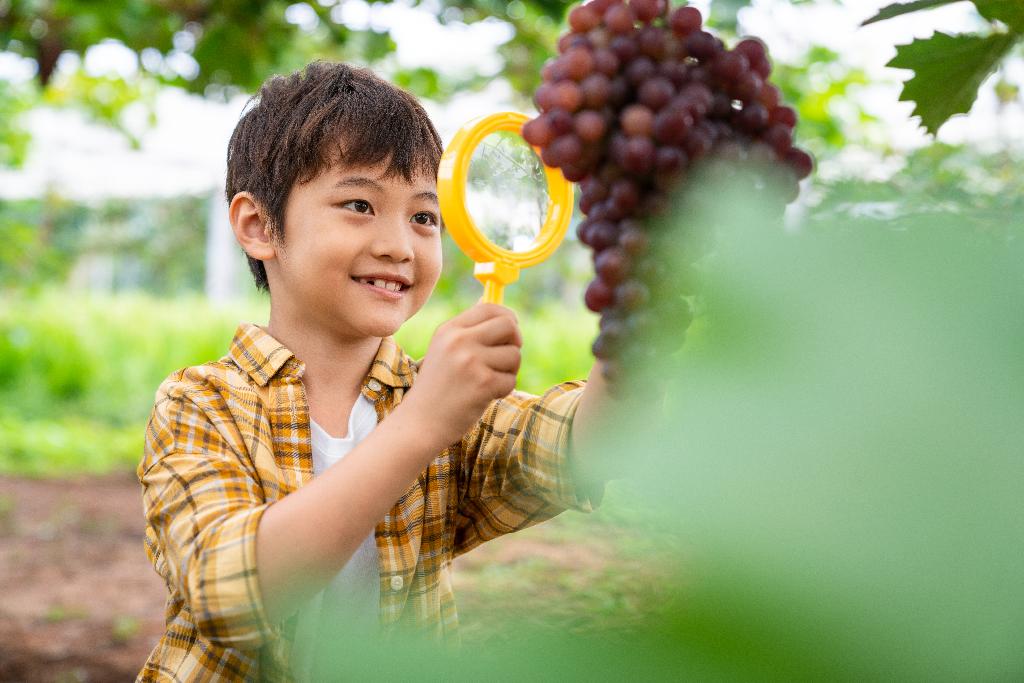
column 507, row 192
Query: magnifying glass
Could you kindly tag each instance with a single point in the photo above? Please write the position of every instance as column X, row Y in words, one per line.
column 505, row 169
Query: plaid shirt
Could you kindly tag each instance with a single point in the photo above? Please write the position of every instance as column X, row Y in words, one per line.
column 228, row 438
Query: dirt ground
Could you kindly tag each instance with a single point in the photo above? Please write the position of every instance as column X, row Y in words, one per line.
column 80, row 602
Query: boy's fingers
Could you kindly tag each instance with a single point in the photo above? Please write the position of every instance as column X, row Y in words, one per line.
column 504, row 359
column 481, row 312
column 498, row 330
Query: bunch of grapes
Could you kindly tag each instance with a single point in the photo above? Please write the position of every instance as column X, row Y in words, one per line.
column 637, row 97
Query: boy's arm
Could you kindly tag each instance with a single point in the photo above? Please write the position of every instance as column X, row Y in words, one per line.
column 518, row 465
column 591, row 413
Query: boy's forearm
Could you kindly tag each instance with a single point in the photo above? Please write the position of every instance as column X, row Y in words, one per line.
column 586, row 425
column 304, row 539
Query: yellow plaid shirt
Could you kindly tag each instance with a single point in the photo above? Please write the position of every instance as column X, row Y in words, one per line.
column 227, row 439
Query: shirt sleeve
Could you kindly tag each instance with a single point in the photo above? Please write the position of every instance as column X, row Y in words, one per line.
column 516, row 467
column 203, row 504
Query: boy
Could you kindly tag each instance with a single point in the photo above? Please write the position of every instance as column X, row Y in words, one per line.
column 347, row 481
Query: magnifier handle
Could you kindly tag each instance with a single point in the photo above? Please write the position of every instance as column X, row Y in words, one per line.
column 495, row 275
column 494, row 292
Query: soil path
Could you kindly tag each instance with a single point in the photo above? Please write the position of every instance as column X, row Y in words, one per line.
column 80, row 602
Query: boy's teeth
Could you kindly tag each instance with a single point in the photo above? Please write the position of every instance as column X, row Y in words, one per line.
column 383, row 284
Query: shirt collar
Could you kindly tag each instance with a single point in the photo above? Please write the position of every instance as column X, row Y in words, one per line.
column 261, row 356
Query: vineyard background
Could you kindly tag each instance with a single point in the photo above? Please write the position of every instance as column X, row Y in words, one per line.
column 117, row 267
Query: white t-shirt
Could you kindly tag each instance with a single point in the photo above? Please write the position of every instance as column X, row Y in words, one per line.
column 351, row 600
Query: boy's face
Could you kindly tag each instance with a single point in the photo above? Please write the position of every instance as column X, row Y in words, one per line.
column 352, row 238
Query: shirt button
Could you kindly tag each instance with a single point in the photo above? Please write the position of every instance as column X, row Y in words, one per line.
column 397, row 582
column 374, row 386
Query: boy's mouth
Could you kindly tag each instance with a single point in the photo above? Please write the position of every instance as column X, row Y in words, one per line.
column 382, row 283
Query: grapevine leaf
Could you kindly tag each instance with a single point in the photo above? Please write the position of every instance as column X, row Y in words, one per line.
column 896, row 9
column 1010, row 12
column 948, row 70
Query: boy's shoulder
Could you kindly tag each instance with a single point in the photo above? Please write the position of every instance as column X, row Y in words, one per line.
column 253, row 357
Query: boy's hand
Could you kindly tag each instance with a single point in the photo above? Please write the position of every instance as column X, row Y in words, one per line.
column 472, row 359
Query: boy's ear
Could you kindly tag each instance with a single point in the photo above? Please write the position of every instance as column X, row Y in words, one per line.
column 250, row 227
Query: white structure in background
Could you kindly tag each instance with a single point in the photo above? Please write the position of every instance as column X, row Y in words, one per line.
column 224, row 258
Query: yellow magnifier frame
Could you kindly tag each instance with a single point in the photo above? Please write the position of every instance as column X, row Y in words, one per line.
column 496, row 266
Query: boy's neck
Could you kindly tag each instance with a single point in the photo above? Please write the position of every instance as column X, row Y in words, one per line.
column 333, row 365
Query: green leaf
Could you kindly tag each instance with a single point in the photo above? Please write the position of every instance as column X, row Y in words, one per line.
column 1010, row 12
column 948, row 70
column 896, row 9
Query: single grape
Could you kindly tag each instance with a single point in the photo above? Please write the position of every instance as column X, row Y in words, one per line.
column 619, row 19
column 747, row 88
column 656, row 92
column 602, row 234
column 639, row 155
column 606, row 61
column 579, row 62
column 544, row 97
column 584, row 18
column 770, row 96
column 625, row 194
column 568, row 96
column 624, row 48
column 754, row 50
column 729, row 66
column 648, row 10
column 685, row 20
column 779, row 138
column 590, row 126
column 671, row 126
column 784, row 115
column 563, row 150
column 612, row 265
column 593, row 190
column 752, row 118
column 652, row 42
column 600, row 6
column 801, row 162
column 598, row 295
column 538, row 132
column 561, row 121
column 701, row 45
column 637, row 119
column 596, row 89
column 639, row 70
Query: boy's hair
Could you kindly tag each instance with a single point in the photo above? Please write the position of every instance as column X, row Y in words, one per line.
column 329, row 113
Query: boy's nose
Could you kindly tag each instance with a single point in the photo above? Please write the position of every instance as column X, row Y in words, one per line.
column 393, row 242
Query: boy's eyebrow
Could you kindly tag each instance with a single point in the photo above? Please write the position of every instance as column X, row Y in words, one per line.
column 362, row 181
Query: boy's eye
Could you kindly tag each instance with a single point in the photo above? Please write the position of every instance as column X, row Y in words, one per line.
column 358, row 205
column 425, row 218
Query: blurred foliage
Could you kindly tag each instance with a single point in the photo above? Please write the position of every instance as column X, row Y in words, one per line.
column 157, row 245
column 15, row 100
column 983, row 191
column 823, row 89
column 833, row 481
